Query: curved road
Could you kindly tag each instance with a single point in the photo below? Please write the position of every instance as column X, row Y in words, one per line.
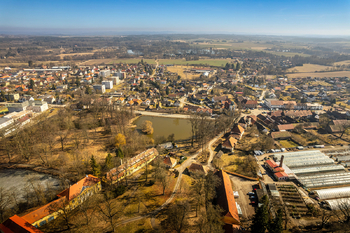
column 177, row 185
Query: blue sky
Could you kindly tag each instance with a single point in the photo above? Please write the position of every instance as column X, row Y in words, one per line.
column 280, row 17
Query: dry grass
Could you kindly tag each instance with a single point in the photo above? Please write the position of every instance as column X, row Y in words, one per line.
column 180, row 71
column 339, row 63
column 308, row 68
column 73, row 54
column 143, row 225
column 320, row 74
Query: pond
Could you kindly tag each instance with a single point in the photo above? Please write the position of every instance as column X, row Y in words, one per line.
column 17, row 180
column 164, row 126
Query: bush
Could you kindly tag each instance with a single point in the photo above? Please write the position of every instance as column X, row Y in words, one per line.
column 151, row 182
column 120, row 190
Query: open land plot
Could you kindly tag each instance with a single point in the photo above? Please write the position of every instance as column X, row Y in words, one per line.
column 339, row 63
column 308, row 68
column 74, row 54
column 288, row 54
column 207, row 62
column 287, row 144
column 320, row 74
column 180, row 70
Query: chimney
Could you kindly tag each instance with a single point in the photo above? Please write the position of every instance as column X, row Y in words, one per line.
column 281, row 163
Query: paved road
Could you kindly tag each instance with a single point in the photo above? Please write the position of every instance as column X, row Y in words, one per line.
column 177, row 185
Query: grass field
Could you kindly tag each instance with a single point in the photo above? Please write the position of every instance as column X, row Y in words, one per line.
column 287, row 144
column 308, row 68
column 320, row 74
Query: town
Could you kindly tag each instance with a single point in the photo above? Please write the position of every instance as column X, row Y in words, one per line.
column 186, row 142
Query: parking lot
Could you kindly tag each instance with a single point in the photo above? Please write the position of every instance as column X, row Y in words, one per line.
column 243, row 186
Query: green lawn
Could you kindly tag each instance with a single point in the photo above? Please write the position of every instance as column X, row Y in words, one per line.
column 287, row 144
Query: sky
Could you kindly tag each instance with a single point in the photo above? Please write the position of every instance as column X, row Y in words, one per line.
column 268, row 17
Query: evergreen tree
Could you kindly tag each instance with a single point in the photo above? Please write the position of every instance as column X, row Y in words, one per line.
column 119, row 153
column 94, row 166
column 167, row 90
column 32, row 83
column 261, row 217
column 238, row 66
column 276, row 224
column 141, row 84
column 227, row 66
column 108, row 161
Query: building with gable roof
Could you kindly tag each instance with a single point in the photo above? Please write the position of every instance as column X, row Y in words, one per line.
column 16, row 224
column 226, row 200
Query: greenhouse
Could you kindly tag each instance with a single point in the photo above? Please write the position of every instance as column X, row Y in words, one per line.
column 324, row 180
column 343, row 158
column 306, row 170
column 337, row 204
column 289, row 155
column 333, row 193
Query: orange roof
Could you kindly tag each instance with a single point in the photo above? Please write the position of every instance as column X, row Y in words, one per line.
column 230, row 142
column 43, row 211
column 271, row 163
column 226, row 200
column 281, row 174
column 16, row 224
column 76, row 189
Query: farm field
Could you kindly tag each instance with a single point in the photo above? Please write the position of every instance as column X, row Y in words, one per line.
column 339, row 63
column 206, row 62
column 320, row 74
column 308, row 68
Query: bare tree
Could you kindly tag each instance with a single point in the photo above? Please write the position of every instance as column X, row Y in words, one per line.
column 5, row 200
column 108, row 210
column 177, row 217
column 163, row 178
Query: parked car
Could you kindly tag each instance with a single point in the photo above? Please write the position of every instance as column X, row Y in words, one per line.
column 252, row 197
column 250, row 193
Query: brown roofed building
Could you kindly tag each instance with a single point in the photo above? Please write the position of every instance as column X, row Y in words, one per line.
column 237, row 132
column 77, row 188
column 226, row 200
column 195, row 167
column 170, row 162
column 229, row 144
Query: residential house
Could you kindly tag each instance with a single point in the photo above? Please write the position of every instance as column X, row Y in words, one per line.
column 251, row 104
column 194, row 167
column 229, row 143
column 237, row 132
column 282, row 135
column 169, row 162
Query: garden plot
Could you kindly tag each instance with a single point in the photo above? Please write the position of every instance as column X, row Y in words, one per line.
column 293, row 201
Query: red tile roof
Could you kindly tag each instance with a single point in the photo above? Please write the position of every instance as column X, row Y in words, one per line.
column 281, row 174
column 76, row 189
column 271, row 163
column 43, row 211
column 16, row 224
column 226, row 200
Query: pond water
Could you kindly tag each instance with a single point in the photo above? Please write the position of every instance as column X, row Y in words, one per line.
column 18, row 179
column 164, row 126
